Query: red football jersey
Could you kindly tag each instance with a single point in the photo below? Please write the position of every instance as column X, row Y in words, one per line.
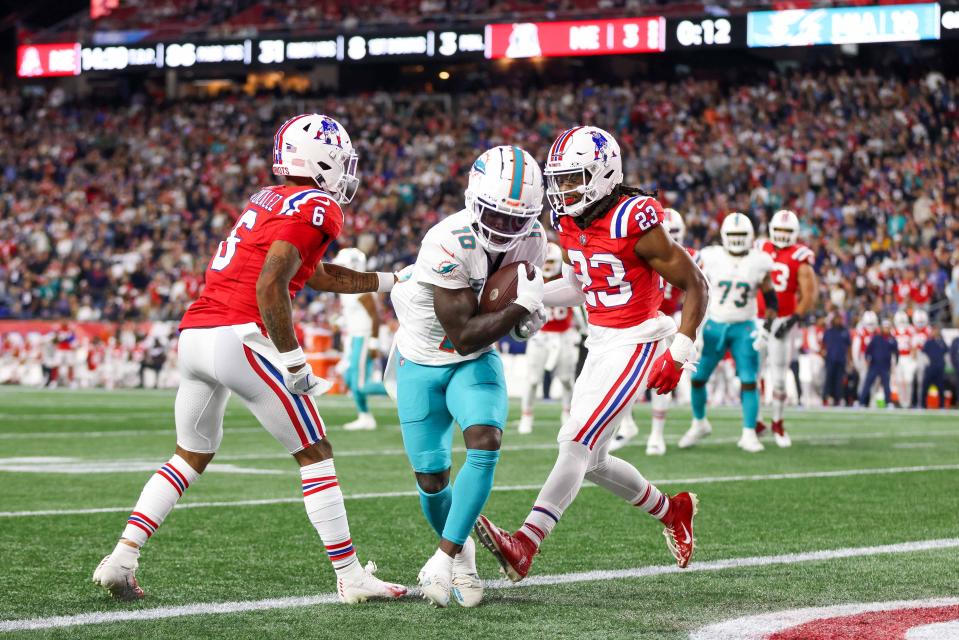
column 785, row 275
column 309, row 219
column 920, row 335
column 673, row 297
column 621, row 289
column 904, row 338
column 558, row 319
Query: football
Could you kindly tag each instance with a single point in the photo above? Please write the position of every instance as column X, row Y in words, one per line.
column 500, row 289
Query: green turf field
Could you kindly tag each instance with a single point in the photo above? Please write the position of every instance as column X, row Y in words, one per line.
column 852, row 480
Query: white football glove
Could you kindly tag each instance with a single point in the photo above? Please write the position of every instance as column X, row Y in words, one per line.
column 302, row 381
column 529, row 291
column 530, row 325
column 760, row 339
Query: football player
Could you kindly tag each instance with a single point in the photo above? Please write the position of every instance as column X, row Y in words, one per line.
column 360, row 320
column 238, row 337
column 904, row 375
column 616, row 255
column 553, row 349
column 797, row 289
column 921, row 334
column 736, row 271
column 445, row 368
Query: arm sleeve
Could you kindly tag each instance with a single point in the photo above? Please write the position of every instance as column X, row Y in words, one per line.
column 440, row 265
column 564, row 291
column 637, row 216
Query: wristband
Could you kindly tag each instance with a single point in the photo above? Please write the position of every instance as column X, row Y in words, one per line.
column 682, row 348
column 372, row 343
column 387, row 280
column 293, row 358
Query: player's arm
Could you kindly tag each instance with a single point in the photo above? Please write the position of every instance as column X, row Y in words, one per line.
column 368, row 301
column 677, row 268
column 337, row 279
column 273, row 294
column 771, row 300
column 808, row 289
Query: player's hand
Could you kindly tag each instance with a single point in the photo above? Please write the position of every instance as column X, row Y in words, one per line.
column 760, row 338
column 784, row 326
column 302, row 381
column 530, row 325
column 373, row 354
column 664, row 374
column 529, row 291
column 404, row 274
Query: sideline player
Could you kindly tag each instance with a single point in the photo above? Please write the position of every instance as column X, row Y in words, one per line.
column 797, row 290
column 238, row 337
column 617, row 256
column 735, row 271
column 904, row 374
column 554, row 348
column 444, row 365
column 360, row 328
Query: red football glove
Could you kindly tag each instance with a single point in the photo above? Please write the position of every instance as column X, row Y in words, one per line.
column 665, row 374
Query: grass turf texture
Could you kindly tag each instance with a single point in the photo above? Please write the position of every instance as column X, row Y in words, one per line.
column 252, row 552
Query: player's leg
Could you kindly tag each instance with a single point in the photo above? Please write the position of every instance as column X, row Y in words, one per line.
column 200, row 403
column 357, row 377
column 778, row 357
column 295, row 422
column 536, row 353
column 565, row 372
column 656, row 443
column 747, row 369
column 713, row 349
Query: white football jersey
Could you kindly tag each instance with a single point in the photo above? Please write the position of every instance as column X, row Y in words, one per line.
column 356, row 321
column 733, row 282
column 449, row 257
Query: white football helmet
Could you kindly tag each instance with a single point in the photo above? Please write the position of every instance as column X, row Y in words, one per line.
column 317, row 146
column 784, row 228
column 920, row 318
column 504, row 197
column 737, row 233
column 553, row 264
column 584, row 165
column 869, row 321
column 351, row 258
column 900, row 320
column 675, row 225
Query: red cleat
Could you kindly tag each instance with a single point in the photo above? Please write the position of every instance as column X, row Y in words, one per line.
column 514, row 552
column 679, row 527
column 760, row 427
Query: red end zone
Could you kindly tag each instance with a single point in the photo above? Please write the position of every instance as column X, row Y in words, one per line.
column 875, row 625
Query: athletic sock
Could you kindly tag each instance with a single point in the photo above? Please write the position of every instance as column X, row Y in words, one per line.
column 159, row 496
column 526, row 402
column 624, row 480
column 324, row 507
column 750, row 402
column 470, row 492
column 465, row 560
column 779, row 404
column 436, row 507
column 698, row 398
column 558, row 491
column 659, row 423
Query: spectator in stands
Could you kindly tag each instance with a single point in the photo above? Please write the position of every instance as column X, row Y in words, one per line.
column 836, row 349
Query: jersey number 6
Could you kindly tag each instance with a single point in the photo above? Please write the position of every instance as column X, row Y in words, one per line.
column 227, row 248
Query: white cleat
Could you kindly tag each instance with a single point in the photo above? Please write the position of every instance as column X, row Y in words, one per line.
column 526, row 424
column 699, row 430
column 467, row 586
column 749, row 442
column 783, row 441
column 655, row 445
column 119, row 578
column 361, row 585
column 435, row 580
column 365, row 422
column 627, row 431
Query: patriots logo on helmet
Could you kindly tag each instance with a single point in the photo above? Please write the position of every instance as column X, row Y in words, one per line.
column 330, row 131
column 602, row 145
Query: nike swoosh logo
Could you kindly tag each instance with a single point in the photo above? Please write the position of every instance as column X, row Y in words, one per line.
column 689, row 538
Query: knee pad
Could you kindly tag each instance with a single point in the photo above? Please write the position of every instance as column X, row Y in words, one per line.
column 431, row 461
column 481, row 458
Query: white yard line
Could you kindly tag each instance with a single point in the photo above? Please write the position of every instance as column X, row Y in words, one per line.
column 241, row 606
column 802, row 475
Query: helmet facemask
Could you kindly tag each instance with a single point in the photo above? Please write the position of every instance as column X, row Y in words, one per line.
column 570, row 191
column 737, row 242
column 783, row 237
column 342, row 184
column 499, row 227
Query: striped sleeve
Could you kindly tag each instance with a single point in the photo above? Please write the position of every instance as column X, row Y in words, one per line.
column 802, row 253
column 634, row 216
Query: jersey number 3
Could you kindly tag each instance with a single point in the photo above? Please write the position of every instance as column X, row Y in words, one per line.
column 227, row 248
column 616, row 293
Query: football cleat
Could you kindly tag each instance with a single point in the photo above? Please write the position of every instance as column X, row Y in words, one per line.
column 514, row 552
column 435, row 583
column 699, row 430
column 526, row 423
column 119, row 579
column 749, row 442
column 361, row 585
column 782, row 438
column 365, row 422
column 760, row 428
column 467, row 586
column 627, row 431
column 655, row 445
column 679, row 527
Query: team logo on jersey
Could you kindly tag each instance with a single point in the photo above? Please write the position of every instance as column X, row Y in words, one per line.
column 602, row 146
column 446, row 268
column 582, row 238
column 329, row 131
